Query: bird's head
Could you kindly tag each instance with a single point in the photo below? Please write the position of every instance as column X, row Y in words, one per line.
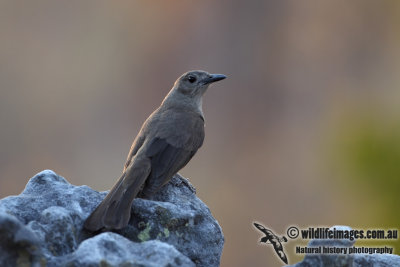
column 188, row 90
column 195, row 83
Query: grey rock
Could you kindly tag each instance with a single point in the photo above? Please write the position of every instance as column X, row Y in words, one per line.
column 345, row 260
column 111, row 249
column 43, row 227
column 19, row 245
column 376, row 260
column 178, row 218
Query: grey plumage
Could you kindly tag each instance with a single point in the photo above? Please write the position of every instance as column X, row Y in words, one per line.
column 166, row 142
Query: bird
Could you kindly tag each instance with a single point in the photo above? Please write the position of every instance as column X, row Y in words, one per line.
column 274, row 240
column 166, row 142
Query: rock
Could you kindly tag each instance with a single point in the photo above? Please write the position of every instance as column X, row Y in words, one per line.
column 43, row 227
column 19, row 245
column 345, row 260
column 111, row 249
column 376, row 260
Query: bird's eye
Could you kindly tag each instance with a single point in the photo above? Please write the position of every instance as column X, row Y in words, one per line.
column 191, row 79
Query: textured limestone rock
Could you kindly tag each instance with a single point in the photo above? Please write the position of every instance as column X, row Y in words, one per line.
column 43, row 226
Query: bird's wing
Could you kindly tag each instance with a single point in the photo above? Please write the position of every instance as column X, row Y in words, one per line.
column 177, row 138
column 279, row 250
column 264, row 230
column 136, row 145
column 166, row 160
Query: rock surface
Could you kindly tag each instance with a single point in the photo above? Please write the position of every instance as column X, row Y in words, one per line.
column 348, row 260
column 43, row 227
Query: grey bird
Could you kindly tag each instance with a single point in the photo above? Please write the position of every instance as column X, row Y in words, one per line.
column 168, row 139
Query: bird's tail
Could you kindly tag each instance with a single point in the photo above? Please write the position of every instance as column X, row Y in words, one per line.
column 115, row 209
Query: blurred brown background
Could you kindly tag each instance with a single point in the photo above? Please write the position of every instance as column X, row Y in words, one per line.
column 305, row 131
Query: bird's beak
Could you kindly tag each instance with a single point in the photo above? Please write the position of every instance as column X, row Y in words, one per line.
column 214, row 78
